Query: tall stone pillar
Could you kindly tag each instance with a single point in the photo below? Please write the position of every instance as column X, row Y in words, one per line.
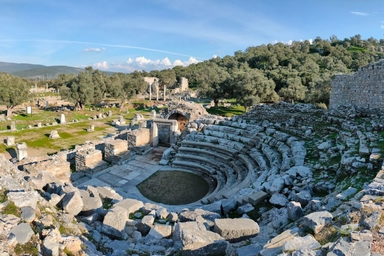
column 155, row 135
column 157, row 92
column 150, row 91
column 62, row 119
column 164, row 91
column 13, row 126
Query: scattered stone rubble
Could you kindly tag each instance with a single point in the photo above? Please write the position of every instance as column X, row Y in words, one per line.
column 300, row 180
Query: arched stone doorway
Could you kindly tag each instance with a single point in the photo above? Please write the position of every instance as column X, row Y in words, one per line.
column 181, row 119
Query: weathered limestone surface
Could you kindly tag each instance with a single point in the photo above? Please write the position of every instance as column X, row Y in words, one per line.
column 196, row 241
column 317, row 220
column 235, row 230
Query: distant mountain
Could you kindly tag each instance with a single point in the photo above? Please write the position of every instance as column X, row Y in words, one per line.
column 32, row 71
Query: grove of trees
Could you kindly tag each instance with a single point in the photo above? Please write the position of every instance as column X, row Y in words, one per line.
column 297, row 72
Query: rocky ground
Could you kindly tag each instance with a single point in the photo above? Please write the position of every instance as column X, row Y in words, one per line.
column 319, row 174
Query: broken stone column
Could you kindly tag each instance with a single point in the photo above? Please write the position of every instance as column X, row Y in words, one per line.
column 21, row 151
column 54, row 135
column 91, row 128
column 101, row 116
column 153, row 114
column 13, row 126
column 38, row 124
column 155, row 135
column 62, row 119
column 10, row 141
column 121, row 120
column 109, row 113
column 164, row 91
column 46, row 104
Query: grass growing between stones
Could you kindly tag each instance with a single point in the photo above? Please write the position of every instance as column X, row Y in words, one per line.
column 11, row 208
column 174, row 187
column 328, row 234
column 29, row 248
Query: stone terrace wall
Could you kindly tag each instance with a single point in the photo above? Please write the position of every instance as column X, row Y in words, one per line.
column 364, row 88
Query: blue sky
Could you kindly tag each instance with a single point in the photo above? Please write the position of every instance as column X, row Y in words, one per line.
column 127, row 35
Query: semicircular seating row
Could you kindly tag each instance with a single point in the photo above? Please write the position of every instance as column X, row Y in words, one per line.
column 235, row 156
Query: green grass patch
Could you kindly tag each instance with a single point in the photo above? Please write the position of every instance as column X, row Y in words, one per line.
column 3, row 196
column 226, row 111
column 11, row 208
column 354, row 48
column 29, row 248
column 328, row 234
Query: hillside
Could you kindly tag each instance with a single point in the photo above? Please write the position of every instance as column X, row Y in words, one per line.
column 26, row 70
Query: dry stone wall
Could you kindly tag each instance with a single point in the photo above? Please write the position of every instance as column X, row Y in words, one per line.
column 89, row 160
column 364, row 88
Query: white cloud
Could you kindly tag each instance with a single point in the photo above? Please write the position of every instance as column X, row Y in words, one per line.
column 143, row 63
column 360, row 13
column 101, row 65
column 190, row 61
column 178, row 63
column 166, row 62
column 382, row 26
column 94, row 49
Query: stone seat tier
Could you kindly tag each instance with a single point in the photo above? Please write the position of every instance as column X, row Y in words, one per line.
column 230, row 152
column 218, row 141
column 219, row 167
column 240, row 134
column 251, row 166
column 203, row 152
column 219, row 177
column 241, row 165
column 260, row 158
column 272, row 155
column 228, row 136
column 227, row 127
column 298, row 150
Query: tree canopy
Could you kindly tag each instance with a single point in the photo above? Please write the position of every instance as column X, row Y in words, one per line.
column 13, row 91
column 300, row 71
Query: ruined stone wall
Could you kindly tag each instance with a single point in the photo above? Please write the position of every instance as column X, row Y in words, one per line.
column 115, row 148
column 139, row 137
column 183, row 84
column 89, row 160
column 364, row 88
column 57, row 166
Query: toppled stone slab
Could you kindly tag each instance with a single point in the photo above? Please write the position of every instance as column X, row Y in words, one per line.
column 72, row 203
column 22, row 232
column 274, row 246
column 22, row 199
column 195, row 241
column 317, row 220
column 236, row 230
column 130, row 205
column 301, row 243
column 114, row 223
